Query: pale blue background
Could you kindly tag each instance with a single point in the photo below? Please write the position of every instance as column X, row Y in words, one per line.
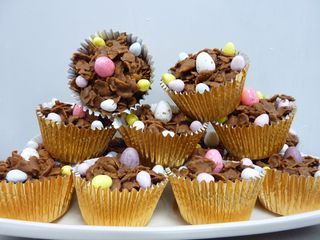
column 38, row 37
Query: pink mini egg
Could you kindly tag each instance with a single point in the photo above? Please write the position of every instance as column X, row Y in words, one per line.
column 104, row 66
column 249, row 97
column 215, row 156
column 78, row 111
column 130, row 157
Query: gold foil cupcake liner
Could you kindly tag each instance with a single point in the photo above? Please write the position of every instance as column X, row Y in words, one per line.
column 71, row 144
column 117, row 208
column 106, row 35
column 155, row 149
column 286, row 194
column 211, row 105
column 215, row 202
column 254, row 142
column 43, row 200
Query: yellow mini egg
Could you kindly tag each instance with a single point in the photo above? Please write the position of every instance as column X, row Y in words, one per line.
column 229, row 49
column 260, row 95
column 143, row 85
column 266, row 168
column 223, row 120
column 98, row 42
column 198, row 146
column 131, row 118
column 167, row 78
column 66, row 170
column 102, row 181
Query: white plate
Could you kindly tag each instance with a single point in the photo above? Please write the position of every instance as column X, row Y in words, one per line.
column 165, row 224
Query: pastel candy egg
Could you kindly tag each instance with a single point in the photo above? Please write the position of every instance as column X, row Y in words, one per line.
column 96, row 124
column 138, row 125
column 283, row 103
column 205, row 177
column 249, row 173
column 167, row 132
column 204, row 62
column 295, row 153
column 82, row 168
column 202, row 87
column 229, row 49
column 183, row 56
column 317, row 173
column 249, row 97
column 16, row 175
column 131, row 118
column 135, row 49
column 66, row 170
column 211, row 139
column 237, row 63
column 195, row 126
column 130, row 157
column 176, row 85
column 158, row 169
column 28, row 152
column 117, row 122
column 54, row 117
column 223, row 120
column 215, row 156
column 167, row 78
column 260, row 95
column 144, row 179
column 104, row 66
column 284, row 149
column 143, row 85
column 246, row 162
column 182, row 168
column 81, row 82
column 109, row 105
column 32, row 144
column 77, row 111
column 98, row 42
column 112, row 154
column 163, row 112
column 259, row 169
column 102, row 181
column 262, row 120
column 198, row 146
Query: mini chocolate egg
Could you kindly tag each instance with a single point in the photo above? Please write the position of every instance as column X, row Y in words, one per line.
column 135, row 49
column 295, row 153
column 28, row 152
column 101, row 181
column 182, row 168
column 195, row 126
column 317, row 173
column 143, row 85
column 167, row 132
column 183, row 56
column 109, row 105
column 104, row 67
column 167, row 78
column 32, row 144
column 249, row 173
column 138, row 125
column 82, row 168
column 81, row 82
column 205, row 177
column 262, row 120
column 246, row 162
column 163, row 112
column 96, row 124
column 229, row 49
column 159, row 169
column 283, row 103
column 98, row 41
column 215, row 156
column 202, row 87
column 144, row 179
column 16, row 175
column 130, row 157
column 260, row 95
column 54, row 117
column 259, row 169
column 78, row 111
column 211, row 139
column 238, row 63
column 112, row 154
column 284, row 149
column 66, row 170
column 131, row 118
column 117, row 122
column 249, row 97
column 223, row 120
column 204, row 62
column 176, row 85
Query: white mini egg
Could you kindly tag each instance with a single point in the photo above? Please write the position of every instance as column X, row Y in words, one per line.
column 112, row 154
column 317, row 173
column 205, row 177
column 283, row 103
column 246, row 162
column 259, row 169
column 16, row 175
column 28, row 152
column 284, row 149
column 182, row 168
column 159, row 169
column 166, row 133
column 109, row 105
column 195, row 126
column 32, row 144
column 211, row 139
column 249, row 173
column 183, row 56
column 144, row 179
column 117, row 122
column 202, row 87
column 163, row 112
column 96, row 124
column 204, row 62
column 81, row 82
column 138, row 125
column 54, row 117
column 262, row 120
column 135, row 49
column 176, row 85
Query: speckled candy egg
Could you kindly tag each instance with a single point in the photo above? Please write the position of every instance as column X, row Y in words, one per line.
column 82, row 168
column 109, row 105
column 295, row 153
column 262, row 120
column 215, row 156
column 176, row 85
column 163, row 112
column 249, row 173
column 16, row 175
column 130, row 157
column 204, row 62
column 81, row 82
column 54, row 117
column 159, row 169
column 195, row 126
column 135, row 49
column 249, row 97
column 28, row 152
column 205, row 177
column 202, row 87
column 96, row 124
column 77, row 111
column 104, row 66
column 238, row 63
column 144, row 179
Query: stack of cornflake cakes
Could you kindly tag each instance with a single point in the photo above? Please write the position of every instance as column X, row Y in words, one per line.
column 216, row 176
